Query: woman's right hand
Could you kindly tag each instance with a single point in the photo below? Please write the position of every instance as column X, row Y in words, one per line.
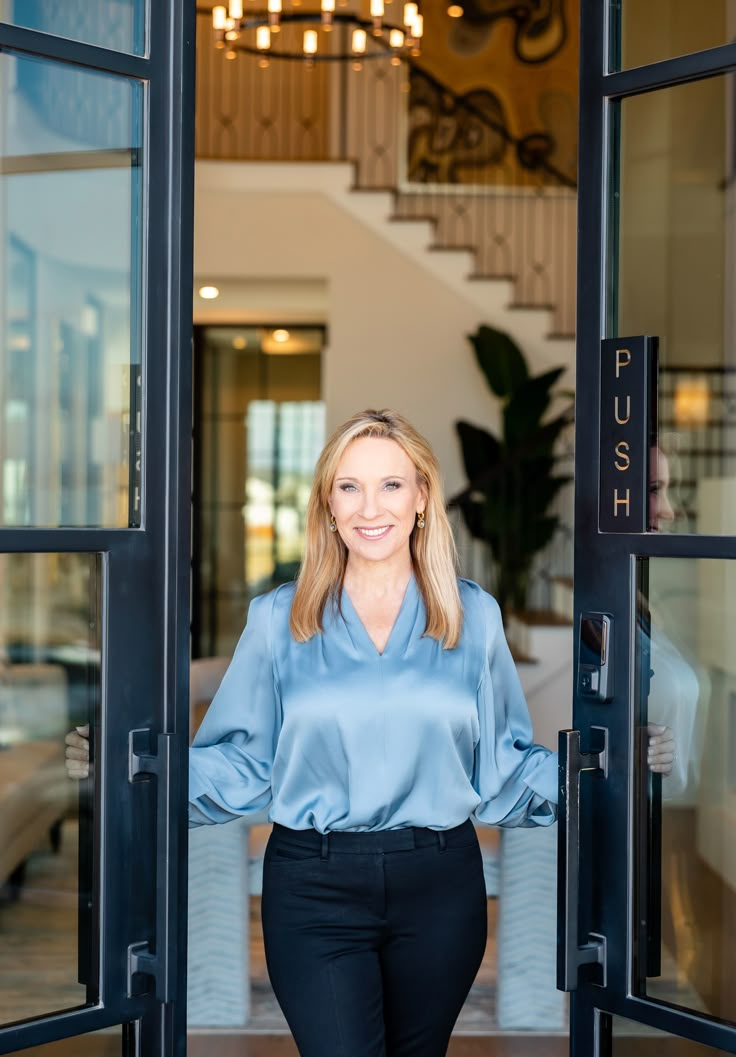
column 77, row 752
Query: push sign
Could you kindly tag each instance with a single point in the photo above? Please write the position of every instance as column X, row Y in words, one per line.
column 628, row 430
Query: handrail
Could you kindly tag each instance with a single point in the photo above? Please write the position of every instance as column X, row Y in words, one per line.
column 520, row 143
column 527, row 156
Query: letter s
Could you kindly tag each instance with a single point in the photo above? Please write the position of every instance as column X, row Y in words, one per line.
column 622, row 449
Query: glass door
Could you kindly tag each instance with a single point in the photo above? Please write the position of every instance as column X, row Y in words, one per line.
column 96, row 167
column 647, row 862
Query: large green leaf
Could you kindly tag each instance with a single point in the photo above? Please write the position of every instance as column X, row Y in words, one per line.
column 500, row 359
column 544, row 491
column 541, row 441
column 536, row 534
column 480, row 449
column 472, row 512
column 524, row 411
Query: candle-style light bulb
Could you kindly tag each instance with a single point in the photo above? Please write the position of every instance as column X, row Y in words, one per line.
column 328, row 8
column 411, row 11
column 219, row 17
column 236, row 10
column 359, row 41
column 263, row 38
column 418, row 27
column 310, row 42
column 396, row 41
column 377, row 15
column 274, row 13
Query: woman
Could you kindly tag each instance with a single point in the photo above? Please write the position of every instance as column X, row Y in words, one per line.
column 376, row 704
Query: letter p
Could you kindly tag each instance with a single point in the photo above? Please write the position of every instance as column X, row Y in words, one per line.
column 623, row 359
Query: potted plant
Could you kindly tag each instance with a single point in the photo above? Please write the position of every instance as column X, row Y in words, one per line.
column 512, row 478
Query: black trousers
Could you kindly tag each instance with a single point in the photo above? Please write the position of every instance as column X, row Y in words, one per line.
column 373, row 939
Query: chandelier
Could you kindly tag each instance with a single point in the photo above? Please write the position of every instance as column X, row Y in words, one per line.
column 231, row 28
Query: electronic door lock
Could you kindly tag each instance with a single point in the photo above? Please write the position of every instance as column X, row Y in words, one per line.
column 595, row 672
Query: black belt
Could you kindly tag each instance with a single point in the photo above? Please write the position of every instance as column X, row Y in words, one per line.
column 352, row 841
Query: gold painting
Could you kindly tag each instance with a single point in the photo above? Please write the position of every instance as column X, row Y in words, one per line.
column 496, row 100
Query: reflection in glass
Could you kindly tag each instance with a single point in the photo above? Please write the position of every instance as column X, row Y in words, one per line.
column 50, row 645
column 639, row 1040
column 114, row 24
column 259, row 428
column 687, row 681
column 673, row 273
column 644, row 31
column 70, row 280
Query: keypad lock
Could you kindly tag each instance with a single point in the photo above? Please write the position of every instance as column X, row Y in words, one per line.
column 595, row 673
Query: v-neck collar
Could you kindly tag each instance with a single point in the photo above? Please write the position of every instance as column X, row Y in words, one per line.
column 402, row 625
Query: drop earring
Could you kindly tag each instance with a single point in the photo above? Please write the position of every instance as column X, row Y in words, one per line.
column 333, row 523
column 420, row 519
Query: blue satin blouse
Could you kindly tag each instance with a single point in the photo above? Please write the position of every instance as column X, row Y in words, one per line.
column 339, row 737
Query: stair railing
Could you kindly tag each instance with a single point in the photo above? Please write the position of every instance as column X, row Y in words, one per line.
column 453, row 160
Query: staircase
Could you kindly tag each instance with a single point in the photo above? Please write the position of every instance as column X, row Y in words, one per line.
column 514, row 224
column 414, row 238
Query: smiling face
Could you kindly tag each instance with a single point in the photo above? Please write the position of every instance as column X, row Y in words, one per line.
column 375, row 499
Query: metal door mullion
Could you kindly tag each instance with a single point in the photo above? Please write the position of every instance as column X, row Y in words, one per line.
column 73, row 541
column 671, row 1019
column 664, row 545
column 69, row 1023
column 61, row 49
column 678, row 70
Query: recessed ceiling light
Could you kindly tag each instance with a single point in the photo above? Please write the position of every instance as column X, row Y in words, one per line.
column 455, row 11
column 209, row 293
column 240, row 342
column 281, row 336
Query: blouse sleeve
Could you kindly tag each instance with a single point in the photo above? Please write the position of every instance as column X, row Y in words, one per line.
column 232, row 754
column 515, row 779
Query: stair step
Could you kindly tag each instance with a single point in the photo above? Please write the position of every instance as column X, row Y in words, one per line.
column 542, row 634
column 519, row 657
column 476, row 277
column 563, row 597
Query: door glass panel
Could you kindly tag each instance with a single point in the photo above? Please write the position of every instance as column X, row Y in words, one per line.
column 70, row 281
column 50, row 647
column 105, row 1043
column 686, row 679
column 114, row 24
column 672, row 271
column 644, row 31
column 639, row 1040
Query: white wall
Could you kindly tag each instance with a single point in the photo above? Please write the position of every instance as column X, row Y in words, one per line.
column 396, row 333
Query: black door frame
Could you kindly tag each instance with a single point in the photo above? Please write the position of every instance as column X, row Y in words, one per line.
column 145, row 576
column 605, row 574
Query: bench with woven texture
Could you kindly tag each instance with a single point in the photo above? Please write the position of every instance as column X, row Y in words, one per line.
column 34, row 788
column 34, row 796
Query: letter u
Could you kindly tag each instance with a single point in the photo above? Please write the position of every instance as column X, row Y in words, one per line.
column 622, row 421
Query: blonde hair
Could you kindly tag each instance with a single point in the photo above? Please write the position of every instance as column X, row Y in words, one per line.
column 433, row 552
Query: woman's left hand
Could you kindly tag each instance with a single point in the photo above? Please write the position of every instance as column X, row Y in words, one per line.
column 661, row 750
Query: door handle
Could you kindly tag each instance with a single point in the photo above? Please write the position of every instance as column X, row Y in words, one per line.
column 571, row 954
column 160, row 959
